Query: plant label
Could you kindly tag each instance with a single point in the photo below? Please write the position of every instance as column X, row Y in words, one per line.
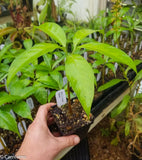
column 99, row 76
column 1, row 46
column 55, row 56
column 140, row 47
column 65, row 81
column 59, row 18
column 116, row 45
column 48, row 91
column 125, row 44
column 137, row 37
column 1, row 146
column 116, row 65
column 30, row 102
column 112, row 42
column 136, row 48
column 126, row 36
column 95, row 35
column 12, row 113
column 74, row 94
column 61, row 97
column 106, row 72
column 130, row 53
column 5, row 85
column 20, row 127
column 140, row 87
column 19, row 74
column 99, row 39
column 90, row 35
column 86, row 55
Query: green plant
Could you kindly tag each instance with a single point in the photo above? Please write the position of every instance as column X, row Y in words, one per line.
column 126, row 118
column 19, row 90
column 116, row 16
column 20, row 28
column 44, row 10
column 100, row 23
column 64, row 8
column 132, row 23
column 103, row 61
column 78, row 71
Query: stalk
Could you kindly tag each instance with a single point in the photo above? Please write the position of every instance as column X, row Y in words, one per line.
column 69, row 100
column 5, row 148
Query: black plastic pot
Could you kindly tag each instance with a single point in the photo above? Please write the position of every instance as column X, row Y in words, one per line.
column 71, row 126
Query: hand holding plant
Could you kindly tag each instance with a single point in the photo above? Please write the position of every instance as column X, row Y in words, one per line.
column 39, row 142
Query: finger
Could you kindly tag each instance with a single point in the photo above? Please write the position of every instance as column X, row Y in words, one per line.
column 67, row 141
column 42, row 112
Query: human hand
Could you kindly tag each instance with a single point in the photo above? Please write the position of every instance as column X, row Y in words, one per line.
column 39, row 143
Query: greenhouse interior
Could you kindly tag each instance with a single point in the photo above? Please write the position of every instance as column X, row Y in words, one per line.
column 70, row 79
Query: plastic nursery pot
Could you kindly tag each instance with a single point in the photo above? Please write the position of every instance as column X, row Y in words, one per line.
column 76, row 122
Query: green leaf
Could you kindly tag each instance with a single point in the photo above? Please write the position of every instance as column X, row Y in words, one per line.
column 57, row 76
column 51, row 95
column 48, row 60
column 28, row 43
column 49, row 82
column 4, row 68
column 43, row 13
column 19, row 88
column 138, row 121
column 2, row 76
column 22, row 109
column 81, row 34
column 121, row 107
column 6, row 98
column 41, row 95
column 4, row 50
column 112, row 67
column 58, row 61
column 28, row 71
column 138, row 96
column 60, row 68
column 127, row 128
column 112, row 52
column 54, row 31
column 8, row 122
column 138, row 76
column 109, row 84
column 81, row 77
column 6, row 107
column 115, row 141
column 28, row 57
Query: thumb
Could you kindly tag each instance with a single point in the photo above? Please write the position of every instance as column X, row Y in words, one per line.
column 68, row 141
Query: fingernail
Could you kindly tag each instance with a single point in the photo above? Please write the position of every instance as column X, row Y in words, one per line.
column 76, row 140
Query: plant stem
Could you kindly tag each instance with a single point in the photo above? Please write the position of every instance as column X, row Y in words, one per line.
column 69, row 100
column 5, row 148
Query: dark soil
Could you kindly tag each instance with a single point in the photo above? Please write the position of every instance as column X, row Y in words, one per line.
column 100, row 146
column 68, row 123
